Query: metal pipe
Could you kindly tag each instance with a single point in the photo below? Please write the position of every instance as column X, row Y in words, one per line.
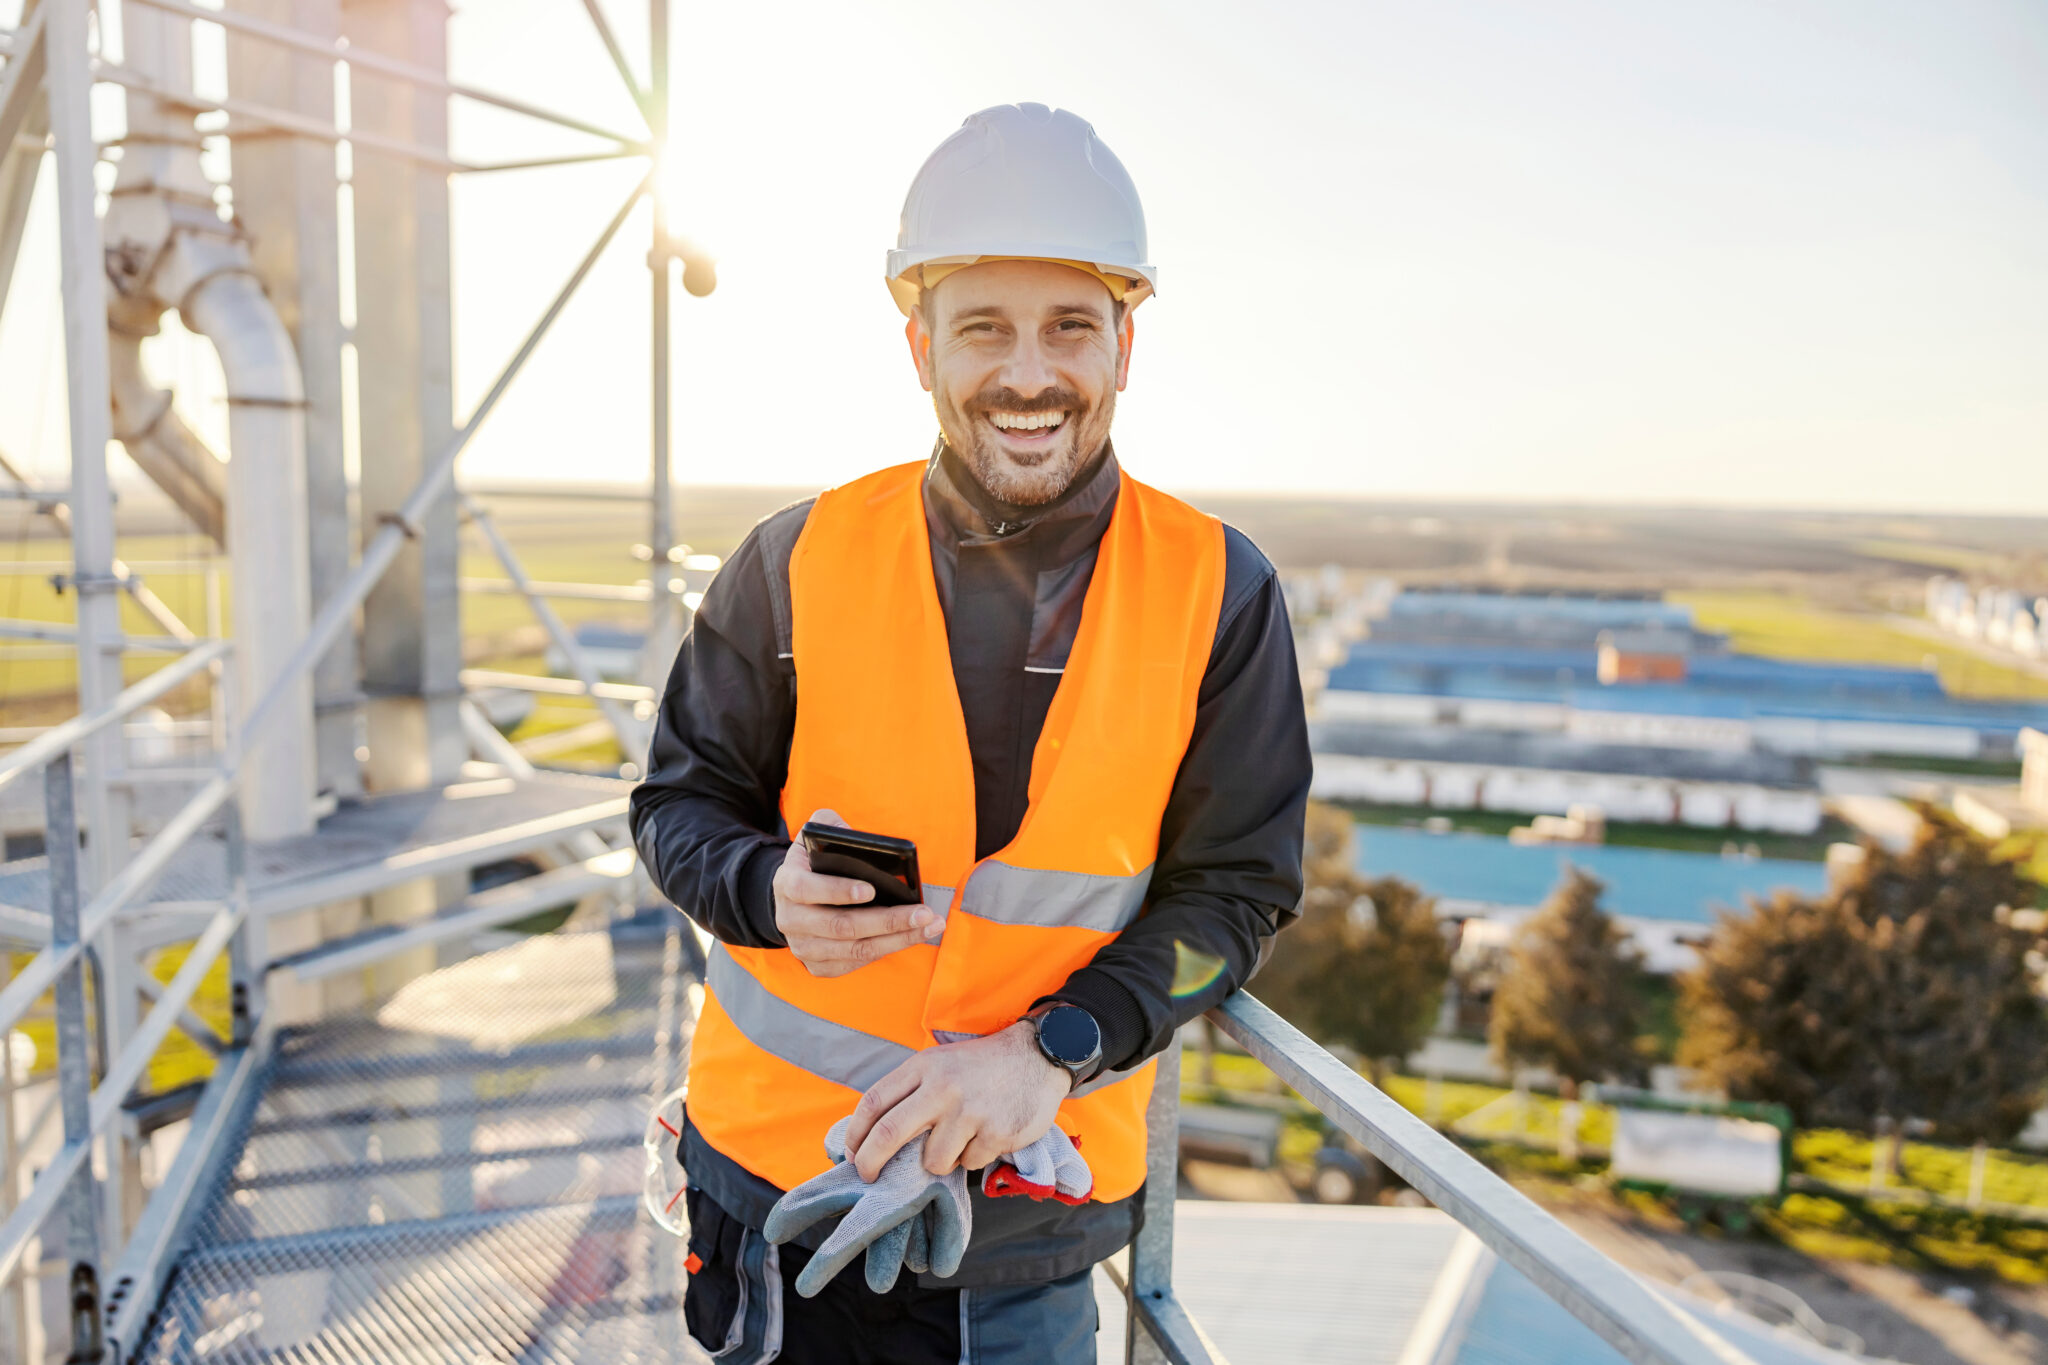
column 625, row 726
column 578, row 592
column 423, row 77
column 68, row 635
column 618, row 56
column 154, row 606
column 1607, row 1298
column 663, row 631
column 267, row 116
column 156, row 438
column 267, row 535
column 62, row 738
column 339, row 610
column 474, row 678
column 83, row 267
column 74, row 1063
column 125, row 1069
column 42, row 970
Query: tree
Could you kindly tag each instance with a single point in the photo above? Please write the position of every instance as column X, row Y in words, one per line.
column 1903, row 993
column 1568, row 997
column 1366, row 964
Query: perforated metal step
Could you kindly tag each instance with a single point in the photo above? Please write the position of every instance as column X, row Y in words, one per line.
column 453, row 1174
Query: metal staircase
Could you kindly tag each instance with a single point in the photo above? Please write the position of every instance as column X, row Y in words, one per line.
column 452, row 1174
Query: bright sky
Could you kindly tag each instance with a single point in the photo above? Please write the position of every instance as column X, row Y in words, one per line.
column 1746, row 251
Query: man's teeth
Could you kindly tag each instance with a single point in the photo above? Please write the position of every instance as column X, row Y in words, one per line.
column 1026, row 421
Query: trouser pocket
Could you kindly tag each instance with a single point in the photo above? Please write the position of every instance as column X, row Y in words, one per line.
column 733, row 1305
column 1039, row 1324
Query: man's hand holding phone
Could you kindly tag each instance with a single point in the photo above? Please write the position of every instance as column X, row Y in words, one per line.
column 829, row 923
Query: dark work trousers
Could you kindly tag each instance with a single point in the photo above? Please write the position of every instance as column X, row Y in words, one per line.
column 743, row 1308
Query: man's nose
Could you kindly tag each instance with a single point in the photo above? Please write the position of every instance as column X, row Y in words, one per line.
column 1029, row 370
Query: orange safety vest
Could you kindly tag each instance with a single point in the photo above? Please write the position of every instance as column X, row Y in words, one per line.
column 779, row 1055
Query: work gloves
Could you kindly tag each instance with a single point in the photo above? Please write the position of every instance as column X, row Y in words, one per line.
column 910, row 1218
column 1050, row 1168
column 906, row 1204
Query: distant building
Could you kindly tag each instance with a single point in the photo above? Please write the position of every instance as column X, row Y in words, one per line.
column 1643, row 656
column 1546, row 773
column 2001, row 812
column 1725, row 701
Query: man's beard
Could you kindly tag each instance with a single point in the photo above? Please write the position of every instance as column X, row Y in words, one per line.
column 1038, row 477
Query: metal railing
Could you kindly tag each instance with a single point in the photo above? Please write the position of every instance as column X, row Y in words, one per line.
column 1622, row 1309
column 89, row 1110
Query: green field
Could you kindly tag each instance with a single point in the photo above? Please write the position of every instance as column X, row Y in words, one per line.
column 1788, row 626
column 1807, row 847
column 1847, row 1223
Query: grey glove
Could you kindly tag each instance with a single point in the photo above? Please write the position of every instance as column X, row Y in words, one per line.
column 1050, row 1168
column 908, row 1216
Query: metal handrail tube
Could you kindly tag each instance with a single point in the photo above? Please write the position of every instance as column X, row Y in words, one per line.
column 272, row 117
column 338, row 612
column 474, row 678
column 625, row 725
column 62, row 738
column 44, row 968
column 586, row 592
column 127, row 1068
column 363, row 58
column 28, row 1215
column 618, row 56
column 1607, row 1298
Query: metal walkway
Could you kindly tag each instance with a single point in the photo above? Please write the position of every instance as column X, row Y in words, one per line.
column 369, row 843
column 452, row 1174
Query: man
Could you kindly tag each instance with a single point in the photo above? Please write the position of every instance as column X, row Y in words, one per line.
column 1075, row 694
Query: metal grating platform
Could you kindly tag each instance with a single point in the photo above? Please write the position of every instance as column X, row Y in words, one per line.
column 453, row 1175
column 375, row 842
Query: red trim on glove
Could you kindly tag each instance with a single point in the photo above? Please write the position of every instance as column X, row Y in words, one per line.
column 1004, row 1179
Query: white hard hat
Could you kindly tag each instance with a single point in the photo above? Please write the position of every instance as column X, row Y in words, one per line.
column 1022, row 181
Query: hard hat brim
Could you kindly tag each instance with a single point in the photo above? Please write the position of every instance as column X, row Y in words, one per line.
column 905, row 269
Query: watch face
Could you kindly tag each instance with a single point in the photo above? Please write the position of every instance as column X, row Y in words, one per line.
column 1070, row 1035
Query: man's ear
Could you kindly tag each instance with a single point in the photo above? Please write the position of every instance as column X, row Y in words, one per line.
column 920, row 347
column 1123, row 350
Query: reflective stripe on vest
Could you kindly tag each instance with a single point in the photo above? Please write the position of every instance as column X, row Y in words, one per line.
column 880, row 738
column 1028, row 895
column 829, row 1051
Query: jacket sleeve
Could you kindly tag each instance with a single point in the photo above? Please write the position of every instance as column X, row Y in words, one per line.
column 705, row 820
column 1228, row 874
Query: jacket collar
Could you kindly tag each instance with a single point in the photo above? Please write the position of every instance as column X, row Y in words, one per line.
column 963, row 513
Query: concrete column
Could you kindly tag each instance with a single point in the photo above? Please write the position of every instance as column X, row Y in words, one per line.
column 286, row 199
column 412, row 634
column 412, row 645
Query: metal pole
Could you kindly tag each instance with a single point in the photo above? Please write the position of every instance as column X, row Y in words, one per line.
column 1151, row 1273
column 74, row 1058
column 661, row 625
column 83, row 272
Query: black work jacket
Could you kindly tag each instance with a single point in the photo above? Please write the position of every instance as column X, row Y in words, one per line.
column 1011, row 582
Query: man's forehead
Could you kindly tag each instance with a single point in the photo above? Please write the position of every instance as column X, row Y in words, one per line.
column 1034, row 286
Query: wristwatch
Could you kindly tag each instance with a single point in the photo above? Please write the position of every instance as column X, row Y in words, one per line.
column 1069, row 1037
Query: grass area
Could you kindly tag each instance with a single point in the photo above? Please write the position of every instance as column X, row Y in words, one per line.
column 1787, row 626
column 1852, row 1226
column 1682, row 838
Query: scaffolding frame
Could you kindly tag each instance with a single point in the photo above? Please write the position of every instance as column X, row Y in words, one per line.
column 92, row 886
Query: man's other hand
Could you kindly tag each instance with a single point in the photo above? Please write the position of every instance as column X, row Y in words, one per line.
column 980, row 1099
column 827, row 923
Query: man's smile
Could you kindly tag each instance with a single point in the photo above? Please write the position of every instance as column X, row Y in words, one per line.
column 1031, row 430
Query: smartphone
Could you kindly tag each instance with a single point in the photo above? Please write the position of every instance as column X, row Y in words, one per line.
column 883, row 861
